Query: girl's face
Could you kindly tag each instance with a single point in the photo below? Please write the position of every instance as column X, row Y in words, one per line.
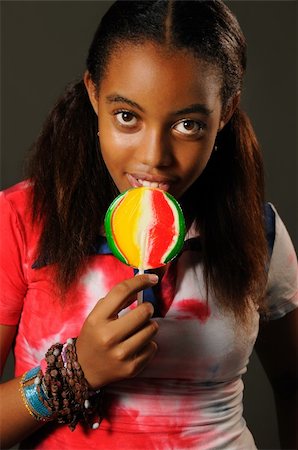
column 158, row 116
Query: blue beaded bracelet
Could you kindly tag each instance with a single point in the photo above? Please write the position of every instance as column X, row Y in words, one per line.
column 34, row 396
column 34, row 403
column 32, row 373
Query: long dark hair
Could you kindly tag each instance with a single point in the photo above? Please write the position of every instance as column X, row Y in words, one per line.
column 72, row 187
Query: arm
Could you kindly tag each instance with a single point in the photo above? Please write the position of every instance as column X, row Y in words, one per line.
column 276, row 347
column 123, row 343
column 15, row 421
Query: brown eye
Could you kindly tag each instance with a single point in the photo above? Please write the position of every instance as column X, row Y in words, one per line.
column 126, row 118
column 189, row 127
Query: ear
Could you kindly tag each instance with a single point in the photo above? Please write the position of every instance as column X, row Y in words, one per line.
column 229, row 110
column 92, row 91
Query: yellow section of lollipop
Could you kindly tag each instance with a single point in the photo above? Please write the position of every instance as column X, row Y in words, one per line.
column 125, row 220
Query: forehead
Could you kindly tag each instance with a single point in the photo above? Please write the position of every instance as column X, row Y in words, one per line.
column 153, row 71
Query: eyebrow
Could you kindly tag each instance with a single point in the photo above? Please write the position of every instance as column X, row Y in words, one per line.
column 115, row 98
column 195, row 108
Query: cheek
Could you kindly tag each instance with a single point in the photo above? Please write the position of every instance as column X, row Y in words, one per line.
column 109, row 144
column 205, row 158
column 108, row 151
column 110, row 156
column 195, row 162
column 114, row 144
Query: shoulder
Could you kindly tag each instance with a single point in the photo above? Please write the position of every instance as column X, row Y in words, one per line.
column 17, row 234
column 277, row 232
column 282, row 283
column 18, row 195
column 16, row 215
column 15, row 203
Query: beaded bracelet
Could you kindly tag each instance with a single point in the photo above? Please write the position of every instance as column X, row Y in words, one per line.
column 67, row 388
column 34, row 397
column 62, row 392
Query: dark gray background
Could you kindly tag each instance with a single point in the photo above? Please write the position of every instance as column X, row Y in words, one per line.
column 44, row 46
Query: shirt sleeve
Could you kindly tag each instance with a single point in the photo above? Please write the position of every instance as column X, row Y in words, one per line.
column 13, row 283
column 282, row 285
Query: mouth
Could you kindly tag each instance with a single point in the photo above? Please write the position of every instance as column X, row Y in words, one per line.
column 146, row 180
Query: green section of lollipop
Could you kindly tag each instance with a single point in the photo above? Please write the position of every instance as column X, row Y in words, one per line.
column 109, row 233
column 108, row 228
column 182, row 230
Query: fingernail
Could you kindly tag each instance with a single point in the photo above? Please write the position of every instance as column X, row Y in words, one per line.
column 153, row 278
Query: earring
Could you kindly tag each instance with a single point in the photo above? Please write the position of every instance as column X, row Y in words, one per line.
column 98, row 133
column 215, row 148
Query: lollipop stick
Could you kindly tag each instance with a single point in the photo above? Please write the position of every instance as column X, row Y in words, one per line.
column 140, row 294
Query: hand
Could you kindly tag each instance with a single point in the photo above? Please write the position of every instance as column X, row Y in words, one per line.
column 111, row 348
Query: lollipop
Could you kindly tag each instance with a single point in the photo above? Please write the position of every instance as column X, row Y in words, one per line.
column 145, row 228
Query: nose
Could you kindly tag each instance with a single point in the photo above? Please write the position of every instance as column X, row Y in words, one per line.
column 156, row 149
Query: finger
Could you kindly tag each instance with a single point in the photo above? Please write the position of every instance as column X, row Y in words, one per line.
column 142, row 359
column 131, row 322
column 123, row 294
column 135, row 343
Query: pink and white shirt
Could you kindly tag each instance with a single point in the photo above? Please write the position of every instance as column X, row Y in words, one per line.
column 190, row 395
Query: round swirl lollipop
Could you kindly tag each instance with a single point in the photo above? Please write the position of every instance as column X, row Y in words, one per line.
column 145, row 228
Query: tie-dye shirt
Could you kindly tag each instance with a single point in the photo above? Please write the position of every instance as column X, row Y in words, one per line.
column 190, row 394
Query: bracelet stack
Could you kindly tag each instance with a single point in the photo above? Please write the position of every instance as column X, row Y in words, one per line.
column 62, row 392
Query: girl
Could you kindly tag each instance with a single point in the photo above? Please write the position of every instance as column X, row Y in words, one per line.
column 158, row 105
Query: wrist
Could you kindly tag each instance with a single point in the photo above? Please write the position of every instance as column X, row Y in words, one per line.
column 34, row 395
column 60, row 391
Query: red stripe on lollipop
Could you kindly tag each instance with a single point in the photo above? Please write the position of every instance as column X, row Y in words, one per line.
column 161, row 234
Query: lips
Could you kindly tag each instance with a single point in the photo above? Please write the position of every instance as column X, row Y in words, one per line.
column 147, row 180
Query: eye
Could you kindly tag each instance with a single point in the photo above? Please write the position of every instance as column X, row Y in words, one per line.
column 125, row 118
column 189, row 127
